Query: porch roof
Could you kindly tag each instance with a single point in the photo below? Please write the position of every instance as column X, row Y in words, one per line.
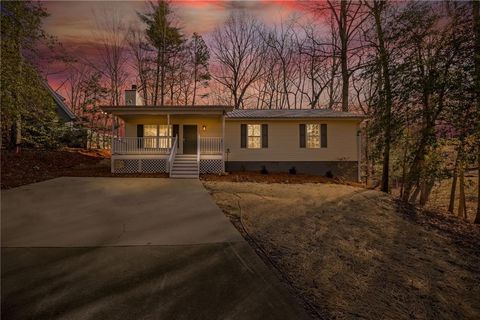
column 164, row 110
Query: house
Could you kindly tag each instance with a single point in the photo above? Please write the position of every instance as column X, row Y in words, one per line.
column 63, row 112
column 186, row 141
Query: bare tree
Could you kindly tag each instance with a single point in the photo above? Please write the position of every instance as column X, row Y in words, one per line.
column 318, row 65
column 377, row 10
column 141, row 61
column 240, row 54
column 348, row 16
column 112, row 52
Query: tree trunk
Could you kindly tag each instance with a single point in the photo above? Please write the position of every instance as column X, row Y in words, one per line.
column 462, row 209
column 477, row 216
column 194, row 84
column 415, row 167
column 343, row 54
column 414, row 196
column 427, row 187
column 451, row 205
column 404, row 167
column 157, row 81
column 18, row 134
column 367, row 156
column 476, row 27
column 384, row 90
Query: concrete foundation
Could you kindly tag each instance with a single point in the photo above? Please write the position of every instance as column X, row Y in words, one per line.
column 345, row 169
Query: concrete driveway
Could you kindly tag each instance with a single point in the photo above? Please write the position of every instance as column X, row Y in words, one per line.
column 130, row 248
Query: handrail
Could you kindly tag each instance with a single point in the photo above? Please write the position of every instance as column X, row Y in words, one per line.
column 142, row 145
column 173, row 153
column 198, row 153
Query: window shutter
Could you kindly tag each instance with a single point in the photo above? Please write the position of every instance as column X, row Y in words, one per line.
column 176, row 132
column 264, row 135
column 243, row 136
column 140, row 130
column 140, row 135
column 302, row 136
column 323, row 133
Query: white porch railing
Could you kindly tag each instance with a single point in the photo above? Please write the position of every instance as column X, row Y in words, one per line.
column 145, row 145
column 211, row 145
column 163, row 145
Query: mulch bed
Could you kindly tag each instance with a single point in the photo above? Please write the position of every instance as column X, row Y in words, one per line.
column 31, row 166
column 276, row 177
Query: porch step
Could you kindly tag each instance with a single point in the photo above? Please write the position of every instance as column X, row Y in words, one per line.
column 185, row 166
column 185, row 161
column 186, row 156
column 177, row 176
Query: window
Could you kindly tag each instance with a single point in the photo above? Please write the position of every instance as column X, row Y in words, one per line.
column 152, row 131
column 254, row 136
column 313, row 135
column 164, row 132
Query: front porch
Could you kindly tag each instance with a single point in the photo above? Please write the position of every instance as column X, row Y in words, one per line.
column 149, row 155
column 181, row 141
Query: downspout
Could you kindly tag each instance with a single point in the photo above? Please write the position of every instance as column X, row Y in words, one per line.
column 223, row 142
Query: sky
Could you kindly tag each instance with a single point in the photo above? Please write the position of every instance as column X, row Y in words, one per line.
column 74, row 22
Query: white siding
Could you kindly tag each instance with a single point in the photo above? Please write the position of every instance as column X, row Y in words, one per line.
column 284, row 141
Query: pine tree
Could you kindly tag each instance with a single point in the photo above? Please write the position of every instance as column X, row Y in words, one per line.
column 200, row 56
column 166, row 39
column 28, row 111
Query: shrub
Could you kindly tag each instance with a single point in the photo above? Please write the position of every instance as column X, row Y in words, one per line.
column 292, row 170
column 329, row 174
column 264, row 170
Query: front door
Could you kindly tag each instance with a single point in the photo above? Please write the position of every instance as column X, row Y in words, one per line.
column 189, row 139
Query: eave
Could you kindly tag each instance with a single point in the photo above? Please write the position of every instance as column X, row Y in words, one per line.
column 171, row 110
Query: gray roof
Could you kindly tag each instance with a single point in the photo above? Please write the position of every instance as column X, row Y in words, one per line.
column 290, row 113
column 62, row 110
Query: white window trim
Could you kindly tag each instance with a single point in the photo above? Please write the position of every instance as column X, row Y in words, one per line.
column 162, row 142
column 259, row 137
column 307, row 136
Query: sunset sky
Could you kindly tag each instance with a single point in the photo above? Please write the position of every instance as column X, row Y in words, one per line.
column 74, row 22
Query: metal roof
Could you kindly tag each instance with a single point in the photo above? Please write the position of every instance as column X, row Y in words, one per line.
column 233, row 114
column 290, row 113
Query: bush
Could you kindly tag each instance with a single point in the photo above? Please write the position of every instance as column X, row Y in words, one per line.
column 329, row 174
column 264, row 170
column 75, row 137
column 292, row 170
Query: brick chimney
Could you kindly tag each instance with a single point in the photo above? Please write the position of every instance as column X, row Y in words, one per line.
column 132, row 97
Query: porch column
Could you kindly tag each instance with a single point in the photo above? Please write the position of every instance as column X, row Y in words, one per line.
column 223, row 142
column 169, row 139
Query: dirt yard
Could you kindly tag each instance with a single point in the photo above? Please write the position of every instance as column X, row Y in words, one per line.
column 353, row 253
column 31, row 166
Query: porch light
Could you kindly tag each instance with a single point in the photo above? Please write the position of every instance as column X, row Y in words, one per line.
column 204, row 127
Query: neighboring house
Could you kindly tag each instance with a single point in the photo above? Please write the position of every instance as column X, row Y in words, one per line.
column 188, row 140
column 64, row 113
